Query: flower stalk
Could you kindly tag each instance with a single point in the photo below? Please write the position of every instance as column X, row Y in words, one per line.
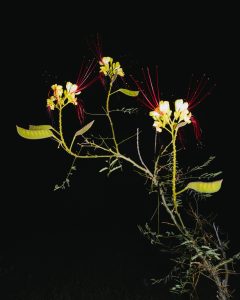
column 109, row 117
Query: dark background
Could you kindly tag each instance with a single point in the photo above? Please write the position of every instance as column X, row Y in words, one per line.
column 91, row 227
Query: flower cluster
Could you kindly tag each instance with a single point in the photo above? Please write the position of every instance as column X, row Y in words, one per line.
column 181, row 112
column 110, row 68
column 162, row 114
column 62, row 97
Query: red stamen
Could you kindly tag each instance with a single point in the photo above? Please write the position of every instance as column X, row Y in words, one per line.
column 181, row 137
column 96, row 48
column 196, row 128
column 195, row 96
column 85, row 72
column 198, row 93
column 80, row 111
column 158, row 91
column 152, row 94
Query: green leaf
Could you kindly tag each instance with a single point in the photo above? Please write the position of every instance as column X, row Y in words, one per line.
column 84, row 129
column 40, row 127
column 205, row 187
column 128, row 92
column 34, row 134
column 81, row 131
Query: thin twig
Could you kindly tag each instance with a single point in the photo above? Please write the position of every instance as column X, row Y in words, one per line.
column 138, row 150
column 223, row 254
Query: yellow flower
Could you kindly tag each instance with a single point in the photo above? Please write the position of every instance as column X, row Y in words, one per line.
column 116, row 69
column 105, row 65
column 161, row 115
column 57, row 90
column 50, row 102
column 154, row 114
column 158, row 125
column 72, row 99
column 72, row 88
column 181, row 111
column 104, row 70
column 70, row 92
column 165, row 120
column 164, row 108
column 109, row 68
column 179, row 105
column 106, row 60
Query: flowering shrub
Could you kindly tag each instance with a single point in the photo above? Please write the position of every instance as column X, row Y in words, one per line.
column 197, row 249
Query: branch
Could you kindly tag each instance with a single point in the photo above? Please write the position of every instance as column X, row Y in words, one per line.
column 138, row 150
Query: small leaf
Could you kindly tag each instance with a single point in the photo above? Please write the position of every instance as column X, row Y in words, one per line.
column 38, row 127
column 34, row 134
column 114, row 169
column 113, row 162
column 196, row 256
column 84, row 129
column 103, row 169
column 206, row 247
column 128, row 92
column 205, row 187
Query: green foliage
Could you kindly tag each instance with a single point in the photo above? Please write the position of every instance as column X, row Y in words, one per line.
column 81, row 131
column 205, row 187
column 128, row 92
column 113, row 165
column 40, row 127
column 34, row 133
column 84, row 129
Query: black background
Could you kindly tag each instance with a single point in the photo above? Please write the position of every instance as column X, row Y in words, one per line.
column 93, row 224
